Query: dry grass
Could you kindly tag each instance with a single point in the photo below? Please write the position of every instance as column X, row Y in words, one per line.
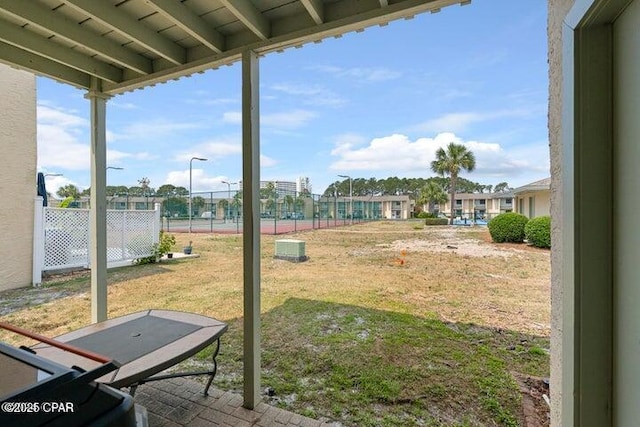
column 435, row 274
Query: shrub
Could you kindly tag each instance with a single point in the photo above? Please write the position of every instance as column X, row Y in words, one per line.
column 507, row 227
column 425, row 214
column 538, row 231
column 436, row 221
column 159, row 249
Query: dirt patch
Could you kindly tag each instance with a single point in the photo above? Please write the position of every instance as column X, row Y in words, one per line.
column 463, row 241
column 452, row 244
column 535, row 409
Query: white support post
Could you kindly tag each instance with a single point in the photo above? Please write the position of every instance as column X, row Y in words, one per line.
column 251, row 226
column 38, row 241
column 156, row 223
column 98, row 211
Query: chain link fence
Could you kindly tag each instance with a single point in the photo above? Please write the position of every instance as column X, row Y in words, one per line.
column 280, row 212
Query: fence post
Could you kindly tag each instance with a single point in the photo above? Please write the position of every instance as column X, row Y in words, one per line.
column 156, row 224
column 38, row 241
column 123, row 235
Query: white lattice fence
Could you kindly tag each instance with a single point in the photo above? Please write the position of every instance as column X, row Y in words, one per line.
column 66, row 238
column 62, row 237
column 130, row 234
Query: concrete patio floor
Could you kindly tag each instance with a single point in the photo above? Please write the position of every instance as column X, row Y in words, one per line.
column 179, row 402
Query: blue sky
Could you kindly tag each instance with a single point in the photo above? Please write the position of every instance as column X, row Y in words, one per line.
column 377, row 103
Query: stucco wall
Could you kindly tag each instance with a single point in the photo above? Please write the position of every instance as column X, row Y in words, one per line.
column 543, row 203
column 557, row 11
column 18, row 169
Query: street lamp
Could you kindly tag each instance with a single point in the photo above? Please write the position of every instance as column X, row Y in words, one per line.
column 190, row 183
column 52, row 174
column 229, row 196
column 115, row 168
column 350, row 197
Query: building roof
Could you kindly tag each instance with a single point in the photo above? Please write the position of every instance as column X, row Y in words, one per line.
column 541, row 185
column 136, row 43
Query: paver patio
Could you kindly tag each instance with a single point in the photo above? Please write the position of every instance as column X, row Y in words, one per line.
column 180, row 402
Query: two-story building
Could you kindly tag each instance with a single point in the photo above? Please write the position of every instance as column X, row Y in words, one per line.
column 483, row 206
column 366, row 207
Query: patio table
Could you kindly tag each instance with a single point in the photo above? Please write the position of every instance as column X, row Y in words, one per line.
column 143, row 343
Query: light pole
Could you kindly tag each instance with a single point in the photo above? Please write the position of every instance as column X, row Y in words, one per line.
column 229, row 197
column 190, row 183
column 350, row 197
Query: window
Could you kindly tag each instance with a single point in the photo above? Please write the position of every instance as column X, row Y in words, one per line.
column 458, row 202
column 508, row 201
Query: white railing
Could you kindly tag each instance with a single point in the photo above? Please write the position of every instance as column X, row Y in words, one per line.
column 62, row 237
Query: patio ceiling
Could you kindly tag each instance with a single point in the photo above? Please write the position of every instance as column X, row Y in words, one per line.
column 130, row 44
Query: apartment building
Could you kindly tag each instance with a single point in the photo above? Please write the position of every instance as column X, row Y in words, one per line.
column 478, row 205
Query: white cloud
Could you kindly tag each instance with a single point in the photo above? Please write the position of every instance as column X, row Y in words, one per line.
column 115, row 156
column 213, row 101
column 346, row 142
column 63, row 141
column 157, row 127
column 218, row 149
column 285, row 120
column 288, row 119
column 267, row 162
column 123, row 105
column 397, row 155
column 200, row 180
column 59, row 139
column 67, row 119
column 232, row 117
column 53, row 184
column 213, row 149
column 312, row 94
column 362, row 74
column 460, row 122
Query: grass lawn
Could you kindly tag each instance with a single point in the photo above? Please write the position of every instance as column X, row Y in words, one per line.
column 386, row 324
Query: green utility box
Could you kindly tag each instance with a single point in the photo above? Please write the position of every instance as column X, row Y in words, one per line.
column 290, row 250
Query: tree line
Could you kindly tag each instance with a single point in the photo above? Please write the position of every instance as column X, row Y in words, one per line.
column 166, row 190
column 394, row 186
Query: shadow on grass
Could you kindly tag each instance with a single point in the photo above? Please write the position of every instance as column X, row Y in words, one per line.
column 367, row 367
column 69, row 284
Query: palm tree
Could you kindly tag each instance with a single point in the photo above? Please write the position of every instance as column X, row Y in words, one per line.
column 450, row 162
column 288, row 202
column 432, row 193
column 69, row 190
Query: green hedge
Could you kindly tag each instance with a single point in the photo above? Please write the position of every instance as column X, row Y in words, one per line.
column 436, row 221
column 508, row 227
column 425, row 214
column 538, row 231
